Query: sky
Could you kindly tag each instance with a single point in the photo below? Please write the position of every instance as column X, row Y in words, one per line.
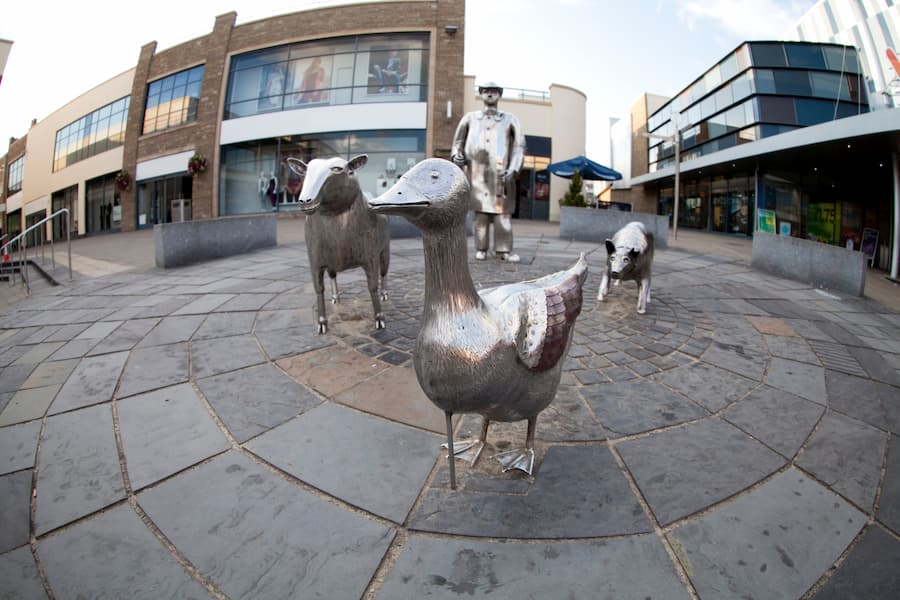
column 612, row 50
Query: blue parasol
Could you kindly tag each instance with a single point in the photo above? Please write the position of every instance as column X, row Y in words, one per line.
column 588, row 169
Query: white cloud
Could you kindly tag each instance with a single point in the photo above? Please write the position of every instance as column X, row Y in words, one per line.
column 748, row 19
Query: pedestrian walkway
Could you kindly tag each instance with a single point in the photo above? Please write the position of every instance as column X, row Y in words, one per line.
column 185, row 433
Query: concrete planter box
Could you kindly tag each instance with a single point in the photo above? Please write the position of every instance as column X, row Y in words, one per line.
column 821, row 265
column 189, row 242
column 598, row 225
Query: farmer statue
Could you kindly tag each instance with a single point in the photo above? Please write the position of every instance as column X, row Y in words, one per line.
column 491, row 142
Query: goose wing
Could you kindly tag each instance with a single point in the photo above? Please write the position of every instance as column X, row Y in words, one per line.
column 539, row 314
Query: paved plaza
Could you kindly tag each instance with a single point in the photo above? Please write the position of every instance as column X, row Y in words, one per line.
column 184, row 433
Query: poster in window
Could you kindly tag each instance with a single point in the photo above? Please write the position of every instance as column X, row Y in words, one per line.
column 312, row 78
column 869, row 243
column 766, row 220
column 388, row 71
column 271, row 87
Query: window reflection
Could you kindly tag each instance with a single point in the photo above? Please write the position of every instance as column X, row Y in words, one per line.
column 172, row 100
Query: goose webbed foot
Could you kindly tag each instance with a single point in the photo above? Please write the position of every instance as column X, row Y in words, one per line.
column 520, row 458
column 467, row 450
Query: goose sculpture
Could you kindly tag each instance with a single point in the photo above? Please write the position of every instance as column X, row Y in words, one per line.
column 498, row 352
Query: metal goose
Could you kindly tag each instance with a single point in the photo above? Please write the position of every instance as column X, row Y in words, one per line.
column 498, row 352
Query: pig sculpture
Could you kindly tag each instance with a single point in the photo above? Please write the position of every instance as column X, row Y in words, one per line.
column 630, row 255
column 341, row 231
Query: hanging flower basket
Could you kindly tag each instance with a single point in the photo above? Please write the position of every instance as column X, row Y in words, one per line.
column 196, row 164
column 123, row 180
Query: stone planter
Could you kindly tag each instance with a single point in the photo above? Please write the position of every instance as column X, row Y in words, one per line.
column 188, row 242
column 598, row 225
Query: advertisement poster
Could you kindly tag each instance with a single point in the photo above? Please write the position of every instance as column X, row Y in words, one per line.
column 388, row 71
column 271, row 87
column 312, row 78
column 869, row 242
column 822, row 222
column 766, row 219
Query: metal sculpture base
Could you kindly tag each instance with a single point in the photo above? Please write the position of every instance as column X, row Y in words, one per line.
column 469, row 450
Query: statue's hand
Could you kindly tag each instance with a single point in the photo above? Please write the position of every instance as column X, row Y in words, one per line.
column 459, row 160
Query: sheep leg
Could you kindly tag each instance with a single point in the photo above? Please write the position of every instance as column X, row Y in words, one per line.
column 604, row 286
column 643, row 295
column 335, row 295
column 319, row 286
column 372, row 281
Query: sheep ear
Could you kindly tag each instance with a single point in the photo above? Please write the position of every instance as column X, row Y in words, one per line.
column 297, row 166
column 610, row 247
column 358, row 162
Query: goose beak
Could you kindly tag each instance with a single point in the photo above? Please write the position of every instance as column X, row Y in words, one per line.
column 401, row 199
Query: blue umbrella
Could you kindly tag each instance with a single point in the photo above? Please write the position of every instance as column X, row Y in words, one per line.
column 588, row 169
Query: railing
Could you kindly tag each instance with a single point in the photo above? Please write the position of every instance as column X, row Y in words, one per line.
column 22, row 248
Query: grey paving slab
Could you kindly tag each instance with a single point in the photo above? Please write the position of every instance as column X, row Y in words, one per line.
column 773, row 542
column 38, row 353
column 27, row 405
column 635, row 567
column 875, row 403
column 125, row 337
column 889, row 502
column 737, row 359
column 155, row 367
column 18, row 445
column 846, row 455
column 93, row 381
column 98, row 331
column 258, row 536
column 297, row 340
column 683, row 470
column 872, row 571
column 166, row 431
column 245, row 302
column 366, row 461
column 15, row 490
column 578, row 491
column 172, row 330
column 631, row 407
column 710, row 386
column 283, row 320
column 204, row 304
column 79, row 467
column 253, row 400
column 50, row 373
column 114, row 556
column 12, row 377
column 225, row 324
column 800, row 379
column 780, row 420
column 875, row 365
column 75, row 349
column 19, row 577
column 219, row 355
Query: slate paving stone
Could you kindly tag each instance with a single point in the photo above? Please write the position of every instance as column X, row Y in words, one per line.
column 566, row 419
column 98, row 331
column 27, row 405
column 258, row 536
column 204, row 304
column 125, row 337
column 300, row 339
column 773, row 542
column 225, row 324
column 778, row 419
column 74, row 349
column 172, row 330
column 79, row 467
column 253, row 400
column 792, row 348
column 166, row 431
column 679, row 475
column 875, row 365
column 872, row 402
column 712, row 387
column 872, row 571
column 38, row 353
column 219, row 355
column 15, row 489
column 368, row 462
column 93, row 381
column 331, row 371
column 846, row 455
column 395, row 394
column 18, row 445
column 19, row 577
column 800, row 379
column 153, row 368
column 283, row 320
column 449, row 568
column 630, row 407
column 49, row 373
column 114, row 556
column 737, row 359
column 889, row 503
column 578, row 492
column 245, row 302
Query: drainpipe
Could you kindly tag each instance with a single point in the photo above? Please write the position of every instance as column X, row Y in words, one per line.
column 895, row 254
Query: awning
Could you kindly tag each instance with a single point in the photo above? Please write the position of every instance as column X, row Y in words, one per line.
column 588, row 169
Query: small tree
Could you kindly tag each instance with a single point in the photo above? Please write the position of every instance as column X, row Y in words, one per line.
column 574, row 196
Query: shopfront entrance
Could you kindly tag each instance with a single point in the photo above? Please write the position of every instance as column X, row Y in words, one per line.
column 164, row 200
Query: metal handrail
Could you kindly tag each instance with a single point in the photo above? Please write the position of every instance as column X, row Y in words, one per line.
column 23, row 247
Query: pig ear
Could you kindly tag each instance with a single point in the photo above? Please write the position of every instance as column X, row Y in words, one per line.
column 358, row 162
column 610, row 247
column 297, row 166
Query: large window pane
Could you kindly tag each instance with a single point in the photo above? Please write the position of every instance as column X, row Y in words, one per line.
column 805, row 55
column 792, row 83
column 773, row 109
column 93, row 133
column 828, row 85
column 173, row 100
column 768, row 55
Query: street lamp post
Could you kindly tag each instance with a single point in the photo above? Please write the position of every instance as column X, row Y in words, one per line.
column 675, row 139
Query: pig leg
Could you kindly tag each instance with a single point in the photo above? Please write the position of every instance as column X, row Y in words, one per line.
column 319, row 286
column 643, row 295
column 372, row 281
column 604, row 286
